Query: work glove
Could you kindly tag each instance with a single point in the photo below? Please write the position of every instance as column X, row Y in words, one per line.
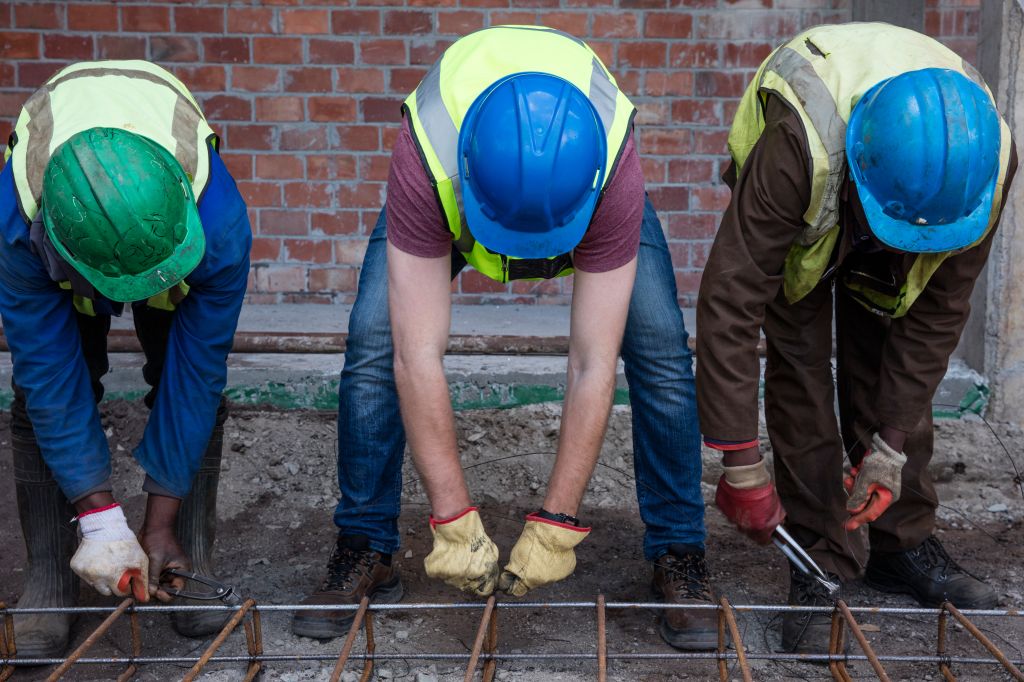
column 874, row 484
column 748, row 499
column 109, row 557
column 463, row 555
column 543, row 554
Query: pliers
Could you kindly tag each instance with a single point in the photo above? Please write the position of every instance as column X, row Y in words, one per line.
column 218, row 590
column 802, row 560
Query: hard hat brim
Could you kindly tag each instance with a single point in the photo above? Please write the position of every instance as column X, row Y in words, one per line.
column 519, row 244
column 914, row 238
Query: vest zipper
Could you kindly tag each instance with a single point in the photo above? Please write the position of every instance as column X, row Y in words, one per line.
column 504, row 268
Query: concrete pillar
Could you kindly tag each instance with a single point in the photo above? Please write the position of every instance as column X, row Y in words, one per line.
column 905, row 13
column 1004, row 320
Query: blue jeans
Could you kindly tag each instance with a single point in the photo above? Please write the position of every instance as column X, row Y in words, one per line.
column 659, row 371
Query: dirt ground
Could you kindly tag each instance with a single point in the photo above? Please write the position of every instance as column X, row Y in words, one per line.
column 278, row 490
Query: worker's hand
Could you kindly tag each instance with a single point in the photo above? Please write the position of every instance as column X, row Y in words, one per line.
column 109, row 557
column 747, row 497
column 164, row 552
column 463, row 555
column 543, row 554
column 874, row 484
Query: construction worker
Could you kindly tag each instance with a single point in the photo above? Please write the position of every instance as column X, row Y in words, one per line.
column 98, row 208
column 869, row 167
column 507, row 147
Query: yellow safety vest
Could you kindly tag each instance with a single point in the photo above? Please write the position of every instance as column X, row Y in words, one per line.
column 134, row 95
column 438, row 105
column 822, row 74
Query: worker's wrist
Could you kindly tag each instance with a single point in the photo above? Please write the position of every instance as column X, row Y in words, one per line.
column 161, row 514
column 748, row 476
column 893, row 437
column 97, row 500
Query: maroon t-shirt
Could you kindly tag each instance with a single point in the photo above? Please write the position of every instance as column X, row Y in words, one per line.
column 415, row 224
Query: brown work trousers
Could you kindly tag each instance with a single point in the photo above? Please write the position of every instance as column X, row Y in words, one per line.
column 808, row 444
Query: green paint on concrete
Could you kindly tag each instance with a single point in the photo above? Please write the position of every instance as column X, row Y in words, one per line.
column 975, row 401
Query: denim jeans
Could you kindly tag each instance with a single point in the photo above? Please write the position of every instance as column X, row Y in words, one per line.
column 659, row 371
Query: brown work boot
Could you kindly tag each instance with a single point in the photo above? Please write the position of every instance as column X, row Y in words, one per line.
column 354, row 571
column 808, row 632
column 681, row 577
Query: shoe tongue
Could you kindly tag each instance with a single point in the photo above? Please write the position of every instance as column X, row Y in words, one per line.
column 680, row 550
column 358, row 543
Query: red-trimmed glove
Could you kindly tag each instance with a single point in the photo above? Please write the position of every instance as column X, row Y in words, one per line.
column 542, row 555
column 109, row 557
column 463, row 555
column 874, row 484
column 747, row 497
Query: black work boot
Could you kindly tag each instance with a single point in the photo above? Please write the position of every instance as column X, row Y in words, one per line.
column 50, row 542
column 930, row 576
column 808, row 632
column 353, row 572
column 196, row 529
column 681, row 577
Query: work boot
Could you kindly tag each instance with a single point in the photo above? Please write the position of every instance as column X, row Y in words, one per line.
column 681, row 577
column 930, row 576
column 808, row 632
column 354, row 571
column 50, row 542
column 196, row 529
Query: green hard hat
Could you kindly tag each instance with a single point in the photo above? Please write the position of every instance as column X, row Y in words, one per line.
column 119, row 208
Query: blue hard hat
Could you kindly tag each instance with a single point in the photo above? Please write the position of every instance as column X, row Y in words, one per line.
column 532, row 156
column 923, row 148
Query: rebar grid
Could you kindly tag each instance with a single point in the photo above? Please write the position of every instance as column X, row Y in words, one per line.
column 485, row 643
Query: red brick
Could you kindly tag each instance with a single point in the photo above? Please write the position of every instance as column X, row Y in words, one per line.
column 475, row 283
column 279, row 109
column 615, row 25
column 653, row 112
column 339, row 222
column 375, row 167
column 702, row 4
column 460, row 22
column 629, row 81
column 363, row 195
column 255, row 78
column 642, row 55
column 327, row 51
column 308, row 194
column 719, row 84
column 173, row 48
column 701, row 111
column 10, row 106
column 406, row 80
column 92, row 17
column 513, row 18
column 748, row 25
column 693, row 55
column 665, row 141
column 226, row 50
column 145, row 18
column 711, row 141
column 688, row 284
column 305, row 21
column 746, row 55
column 605, row 51
column 8, row 76
column 381, row 110
column 202, row 78
column 332, row 279
column 426, row 51
column 713, row 199
column 199, row 19
column 748, row 4
column 355, row 22
column 239, row 165
column 388, row 136
column 383, row 51
column 277, row 50
column 227, row 108
column 485, row 3
column 265, row 249
column 690, row 226
column 279, row 167
column 350, row 251
column 258, row 194
column 284, row 222
column 352, row 79
column 64, row 46
column 308, row 79
column 672, row 83
column 259, row 137
column 19, row 45
column 668, row 25
column 38, row 15
column 332, row 109
column 280, row 277
column 359, row 138
column 34, row 74
column 407, row 22
column 331, row 167
column 250, row 20
column 573, row 23
column 121, row 47
column 304, row 137
column 308, row 250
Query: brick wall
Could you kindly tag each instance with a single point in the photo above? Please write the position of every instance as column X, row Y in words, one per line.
column 306, row 98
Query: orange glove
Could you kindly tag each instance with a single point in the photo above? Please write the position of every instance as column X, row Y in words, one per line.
column 748, row 498
column 874, row 484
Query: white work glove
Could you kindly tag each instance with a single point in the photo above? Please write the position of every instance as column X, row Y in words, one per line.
column 109, row 557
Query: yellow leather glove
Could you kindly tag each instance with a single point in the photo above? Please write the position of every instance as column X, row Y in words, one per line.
column 542, row 555
column 463, row 555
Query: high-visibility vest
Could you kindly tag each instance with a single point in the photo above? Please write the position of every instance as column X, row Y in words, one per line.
column 821, row 75
column 132, row 94
column 438, row 105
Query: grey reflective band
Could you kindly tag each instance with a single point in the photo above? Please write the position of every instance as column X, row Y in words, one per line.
column 820, row 106
column 40, row 134
column 441, row 132
column 603, row 95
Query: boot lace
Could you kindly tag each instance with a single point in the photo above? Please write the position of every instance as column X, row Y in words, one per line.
column 688, row 576
column 809, row 591
column 346, row 567
column 932, row 554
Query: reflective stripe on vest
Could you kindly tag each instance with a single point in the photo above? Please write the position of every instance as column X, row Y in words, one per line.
column 134, row 95
column 821, row 75
column 438, row 105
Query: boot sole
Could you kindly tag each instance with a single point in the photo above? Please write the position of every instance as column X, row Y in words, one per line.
column 902, row 588
column 331, row 628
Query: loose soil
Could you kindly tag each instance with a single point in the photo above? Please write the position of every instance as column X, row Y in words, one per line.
column 278, row 490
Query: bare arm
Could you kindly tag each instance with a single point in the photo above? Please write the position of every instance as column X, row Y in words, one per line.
column 600, row 303
column 420, row 305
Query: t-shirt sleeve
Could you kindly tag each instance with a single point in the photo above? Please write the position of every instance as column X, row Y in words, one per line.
column 413, row 215
column 613, row 238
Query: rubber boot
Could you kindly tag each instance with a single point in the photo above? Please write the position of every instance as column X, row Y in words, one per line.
column 50, row 541
column 196, row 530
